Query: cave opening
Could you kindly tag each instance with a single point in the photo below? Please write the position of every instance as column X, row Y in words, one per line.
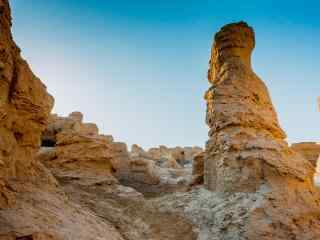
column 48, row 143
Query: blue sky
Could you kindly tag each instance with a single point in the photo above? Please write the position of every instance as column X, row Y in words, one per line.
column 138, row 68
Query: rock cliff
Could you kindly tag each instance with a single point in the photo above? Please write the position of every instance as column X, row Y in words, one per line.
column 24, row 109
column 31, row 205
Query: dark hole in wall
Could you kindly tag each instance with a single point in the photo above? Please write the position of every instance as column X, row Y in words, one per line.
column 18, row 136
column 48, row 143
column 29, row 237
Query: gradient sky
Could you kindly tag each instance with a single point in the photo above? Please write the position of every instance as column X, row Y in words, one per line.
column 138, row 68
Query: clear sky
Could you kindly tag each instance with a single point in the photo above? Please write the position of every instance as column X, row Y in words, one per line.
column 138, row 68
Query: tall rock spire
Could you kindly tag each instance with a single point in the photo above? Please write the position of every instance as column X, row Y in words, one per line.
column 240, row 114
column 247, row 152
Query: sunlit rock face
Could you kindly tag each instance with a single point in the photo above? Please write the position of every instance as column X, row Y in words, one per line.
column 310, row 150
column 73, row 148
column 241, row 117
column 24, row 109
column 247, row 153
column 316, row 177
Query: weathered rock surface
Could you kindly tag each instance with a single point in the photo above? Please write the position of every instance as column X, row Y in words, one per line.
column 157, row 171
column 34, row 236
column 259, row 187
column 31, row 206
column 135, row 217
column 24, row 108
column 144, row 171
column 247, row 154
column 84, row 177
column 52, row 212
column 310, row 150
column 198, row 169
column 80, row 151
column 182, row 155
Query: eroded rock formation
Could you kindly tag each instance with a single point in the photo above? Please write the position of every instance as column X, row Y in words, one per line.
column 310, row 150
column 247, row 153
column 74, row 149
column 31, row 205
column 198, row 169
column 84, row 175
column 161, row 170
column 24, row 108
column 181, row 155
column 77, row 148
column 259, row 187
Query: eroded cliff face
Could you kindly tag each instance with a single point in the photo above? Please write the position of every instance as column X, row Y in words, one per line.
column 24, row 108
column 31, row 205
column 247, row 153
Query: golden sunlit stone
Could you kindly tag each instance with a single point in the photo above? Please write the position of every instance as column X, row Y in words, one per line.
column 247, row 152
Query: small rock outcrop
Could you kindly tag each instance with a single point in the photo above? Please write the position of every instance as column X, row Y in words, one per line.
column 198, row 169
column 310, row 150
column 77, row 148
column 247, row 153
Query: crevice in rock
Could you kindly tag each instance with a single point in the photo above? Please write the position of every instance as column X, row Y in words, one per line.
column 48, row 143
column 14, row 82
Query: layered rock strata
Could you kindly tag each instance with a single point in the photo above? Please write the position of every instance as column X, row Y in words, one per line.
column 247, row 152
column 31, row 205
column 73, row 148
column 310, row 150
column 198, row 169
column 24, row 109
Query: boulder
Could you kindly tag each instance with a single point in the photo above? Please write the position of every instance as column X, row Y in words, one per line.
column 120, row 160
column 137, row 151
column 143, row 171
column 154, row 153
column 76, row 116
